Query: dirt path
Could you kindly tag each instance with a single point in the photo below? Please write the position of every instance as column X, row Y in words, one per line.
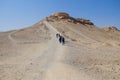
column 32, row 61
column 10, row 36
column 41, row 63
column 57, row 70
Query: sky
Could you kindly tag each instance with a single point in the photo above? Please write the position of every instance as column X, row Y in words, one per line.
column 18, row 14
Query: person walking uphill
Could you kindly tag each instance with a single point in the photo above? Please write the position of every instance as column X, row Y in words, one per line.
column 62, row 40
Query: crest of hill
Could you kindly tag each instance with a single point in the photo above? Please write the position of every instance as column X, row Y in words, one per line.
column 65, row 16
column 110, row 29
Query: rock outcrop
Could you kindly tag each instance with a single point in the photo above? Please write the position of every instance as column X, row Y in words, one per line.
column 84, row 21
column 60, row 15
column 65, row 16
column 110, row 29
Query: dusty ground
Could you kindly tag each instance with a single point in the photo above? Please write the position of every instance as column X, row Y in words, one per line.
column 35, row 54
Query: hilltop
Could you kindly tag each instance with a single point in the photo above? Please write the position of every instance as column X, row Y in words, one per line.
column 78, row 29
column 66, row 17
column 34, row 53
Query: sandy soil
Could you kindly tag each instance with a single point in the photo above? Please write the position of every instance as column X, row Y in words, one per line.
column 35, row 54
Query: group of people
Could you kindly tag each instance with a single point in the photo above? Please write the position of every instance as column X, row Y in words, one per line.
column 61, row 38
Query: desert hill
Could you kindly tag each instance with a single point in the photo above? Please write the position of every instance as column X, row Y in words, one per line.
column 34, row 53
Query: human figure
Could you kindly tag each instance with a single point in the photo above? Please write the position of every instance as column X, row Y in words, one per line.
column 62, row 40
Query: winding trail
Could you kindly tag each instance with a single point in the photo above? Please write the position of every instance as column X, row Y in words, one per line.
column 39, row 61
column 10, row 36
column 33, row 61
column 51, row 55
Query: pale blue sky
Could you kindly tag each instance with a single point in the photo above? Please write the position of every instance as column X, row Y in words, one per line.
column 17, row 14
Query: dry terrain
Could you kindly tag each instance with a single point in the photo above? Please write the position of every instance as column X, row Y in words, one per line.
column 34, row 53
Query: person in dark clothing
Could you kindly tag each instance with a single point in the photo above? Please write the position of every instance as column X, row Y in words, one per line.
column 62, row 40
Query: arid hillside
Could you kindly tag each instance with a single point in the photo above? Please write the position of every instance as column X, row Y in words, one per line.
column 34, row 53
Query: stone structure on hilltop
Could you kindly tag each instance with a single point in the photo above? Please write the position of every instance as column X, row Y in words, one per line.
column 65, row 16
column 61, row 15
